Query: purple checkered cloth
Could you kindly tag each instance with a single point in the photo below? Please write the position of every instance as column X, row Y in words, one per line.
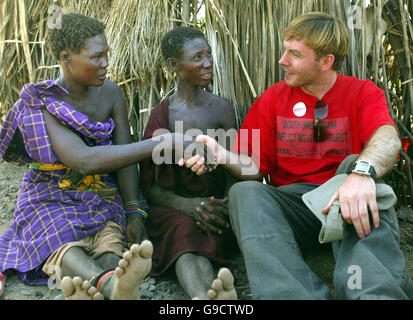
column 46, row 217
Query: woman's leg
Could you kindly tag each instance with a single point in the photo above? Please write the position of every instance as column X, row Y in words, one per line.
column 77, row 269
column 196, row 275
column 123, row 284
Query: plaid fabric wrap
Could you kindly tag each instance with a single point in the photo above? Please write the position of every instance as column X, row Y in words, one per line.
column 46, row 217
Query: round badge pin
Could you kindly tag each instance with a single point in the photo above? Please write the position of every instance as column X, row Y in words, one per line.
column 300, row 109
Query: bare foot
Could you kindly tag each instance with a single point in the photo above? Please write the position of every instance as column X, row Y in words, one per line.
column 223, row 288
column 132, row 269
column 76, row 289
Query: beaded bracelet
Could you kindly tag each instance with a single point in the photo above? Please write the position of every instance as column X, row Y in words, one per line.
column 139, row 211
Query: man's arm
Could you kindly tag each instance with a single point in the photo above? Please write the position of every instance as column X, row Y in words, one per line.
column 242, row 166
column 382, row 150
column 358, row 193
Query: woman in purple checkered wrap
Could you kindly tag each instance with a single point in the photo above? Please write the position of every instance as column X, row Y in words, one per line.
column 70, row 220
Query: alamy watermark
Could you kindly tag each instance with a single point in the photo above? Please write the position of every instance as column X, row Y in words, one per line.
column 54, row 20
column 354, row 14
column 55, row 277
column 354, row 281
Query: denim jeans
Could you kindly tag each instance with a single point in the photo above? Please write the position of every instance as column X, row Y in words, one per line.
column 273, row 224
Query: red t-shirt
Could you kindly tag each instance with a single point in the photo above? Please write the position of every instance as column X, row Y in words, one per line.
column 285, row 118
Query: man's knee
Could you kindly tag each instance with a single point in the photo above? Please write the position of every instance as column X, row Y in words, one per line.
column 243, row 190
column 240, row 196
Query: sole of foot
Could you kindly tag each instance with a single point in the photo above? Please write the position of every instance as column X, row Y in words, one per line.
column 132, row 269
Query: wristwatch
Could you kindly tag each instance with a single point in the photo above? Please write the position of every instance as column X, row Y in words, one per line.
column 363, row 168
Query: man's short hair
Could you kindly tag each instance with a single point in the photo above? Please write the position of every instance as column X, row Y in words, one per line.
column 174, row 40
column 76, row 28
column 323, row 33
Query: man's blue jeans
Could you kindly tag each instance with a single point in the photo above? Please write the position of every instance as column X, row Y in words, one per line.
column 272, row 225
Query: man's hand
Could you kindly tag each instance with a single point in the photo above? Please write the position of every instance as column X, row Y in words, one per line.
column 135, row 229
column 356, row 195
column 197, row 162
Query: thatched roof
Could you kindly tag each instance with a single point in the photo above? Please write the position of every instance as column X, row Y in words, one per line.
column 246, row 36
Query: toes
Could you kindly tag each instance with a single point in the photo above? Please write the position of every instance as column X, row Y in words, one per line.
column 86, row 285
column 78, row 289
column 123, row 263
column 227, row 278
column 211, row 294
column 92, row 291
column 134, row 250
column 146, row 249
column 217, row 285
column 67, row 286
column 128, row 255
column 77, row 282
column 119, row 271
column 97, row 296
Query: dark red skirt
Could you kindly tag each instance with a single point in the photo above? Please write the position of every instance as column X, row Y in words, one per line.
column 174, row 233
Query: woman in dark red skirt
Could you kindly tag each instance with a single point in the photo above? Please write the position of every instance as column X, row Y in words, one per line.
column 188, row 218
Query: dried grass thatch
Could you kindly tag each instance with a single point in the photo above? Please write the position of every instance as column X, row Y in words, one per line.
column 136, row 61
column 134, row 30
column 23, row 54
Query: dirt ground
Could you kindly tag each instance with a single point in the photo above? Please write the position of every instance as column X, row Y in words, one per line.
column 165, row 287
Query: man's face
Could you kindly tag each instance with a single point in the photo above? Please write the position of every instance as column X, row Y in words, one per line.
column 301, row 66
column 89, row 66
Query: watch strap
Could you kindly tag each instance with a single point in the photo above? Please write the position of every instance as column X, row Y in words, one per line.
column 370, row 172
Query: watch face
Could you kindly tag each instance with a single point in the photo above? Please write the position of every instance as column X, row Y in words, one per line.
column 362, row 166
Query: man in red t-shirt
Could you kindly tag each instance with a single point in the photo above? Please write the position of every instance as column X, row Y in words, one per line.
column 298, row 132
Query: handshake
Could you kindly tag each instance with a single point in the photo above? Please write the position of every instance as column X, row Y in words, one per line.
column 201, row 154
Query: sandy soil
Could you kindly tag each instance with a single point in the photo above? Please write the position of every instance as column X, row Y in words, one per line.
column 165, row 287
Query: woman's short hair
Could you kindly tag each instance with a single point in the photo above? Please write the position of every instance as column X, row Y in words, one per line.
column 174, row 40
column 74, row 31
column 323, row 33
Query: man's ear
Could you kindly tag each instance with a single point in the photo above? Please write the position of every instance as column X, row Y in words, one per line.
column 172, row 64
column 65, row 56
column 327, row 62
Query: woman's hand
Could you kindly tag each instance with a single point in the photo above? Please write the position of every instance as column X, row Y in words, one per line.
column 210, row 214
column 135, row 229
